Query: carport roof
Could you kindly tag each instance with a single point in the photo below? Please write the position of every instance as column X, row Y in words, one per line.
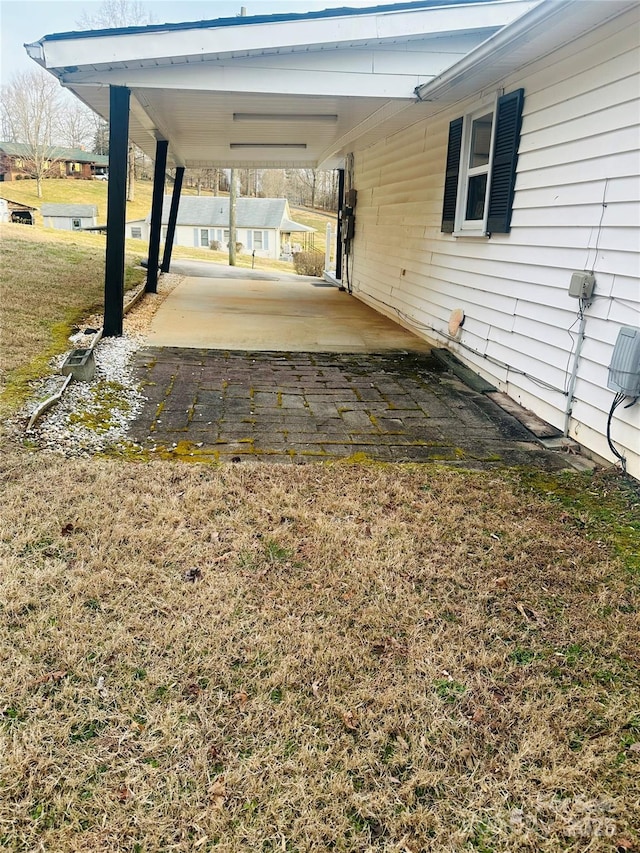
column 280, row 91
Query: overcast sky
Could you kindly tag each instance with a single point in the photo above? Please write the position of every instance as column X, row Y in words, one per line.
column 25, row 21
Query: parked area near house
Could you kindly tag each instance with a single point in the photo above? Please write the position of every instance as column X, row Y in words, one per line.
column 284, row 407
column 488, row 160
column 292, row 369
column 268, row 312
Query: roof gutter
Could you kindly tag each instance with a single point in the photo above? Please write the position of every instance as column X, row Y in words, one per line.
column 506, row 37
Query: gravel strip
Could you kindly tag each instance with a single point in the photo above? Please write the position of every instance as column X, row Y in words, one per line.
column 94, row 416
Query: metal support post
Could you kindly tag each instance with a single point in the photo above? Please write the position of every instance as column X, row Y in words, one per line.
column 157, row 198
column 119, row 97
column 173, row 218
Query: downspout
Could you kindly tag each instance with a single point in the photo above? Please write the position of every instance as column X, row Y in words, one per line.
column 339, row 228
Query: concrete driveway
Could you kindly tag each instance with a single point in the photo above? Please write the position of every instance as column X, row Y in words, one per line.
column 287, row 312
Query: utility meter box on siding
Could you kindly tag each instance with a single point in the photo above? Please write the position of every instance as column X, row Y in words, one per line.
column 624, row 370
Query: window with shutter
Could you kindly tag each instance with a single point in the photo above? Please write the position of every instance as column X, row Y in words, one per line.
column 482, row 157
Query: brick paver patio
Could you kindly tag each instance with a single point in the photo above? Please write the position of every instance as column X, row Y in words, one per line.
column 298, row 407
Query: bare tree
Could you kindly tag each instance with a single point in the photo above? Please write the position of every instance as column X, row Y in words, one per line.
column 119, row 13
column 309, row 180
column 74, row 124
column 116, row 13
column 30, row 106
column 100, row 135
column 274, row 183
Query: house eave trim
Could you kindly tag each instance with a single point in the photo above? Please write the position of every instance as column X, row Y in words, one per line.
column 506, row 41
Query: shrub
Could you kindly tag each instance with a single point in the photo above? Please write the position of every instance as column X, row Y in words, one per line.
column 214, row 245
column 239, row 247
column 309, row 263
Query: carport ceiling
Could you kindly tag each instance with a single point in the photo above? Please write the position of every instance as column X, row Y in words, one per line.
column 281, row 91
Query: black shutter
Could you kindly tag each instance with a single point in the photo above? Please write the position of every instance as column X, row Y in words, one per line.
column 505, row 160
column 451, row 176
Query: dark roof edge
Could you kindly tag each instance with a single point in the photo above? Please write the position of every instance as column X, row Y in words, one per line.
column 259, row 19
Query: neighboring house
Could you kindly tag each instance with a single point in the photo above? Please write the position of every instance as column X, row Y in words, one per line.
column 64, row 162
column 264, row 225
column 69, row 217
column 16, row 211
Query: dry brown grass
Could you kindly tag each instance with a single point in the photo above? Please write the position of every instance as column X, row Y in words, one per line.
column 305, row 659
column 49, row 281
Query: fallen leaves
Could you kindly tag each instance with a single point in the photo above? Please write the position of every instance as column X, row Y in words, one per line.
column 390, row 646
column 48, row 677
column 530, row 614
column 218, row 793
column 350, row 721
column 123, row 793
column 241, row 698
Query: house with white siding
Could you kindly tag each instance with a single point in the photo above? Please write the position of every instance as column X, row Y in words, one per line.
column 489, row 158
column 263, row 225
column 524, row 172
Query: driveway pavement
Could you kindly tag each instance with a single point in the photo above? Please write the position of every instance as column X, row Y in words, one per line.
column 291, row 313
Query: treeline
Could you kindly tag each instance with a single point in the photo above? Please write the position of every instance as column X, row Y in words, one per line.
column 302, row 187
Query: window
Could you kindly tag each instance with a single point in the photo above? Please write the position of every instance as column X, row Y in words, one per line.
column 76, row 224
column 226, row 236
column 481, row 169
column 257, row 239
column 204, row 237
column 136, row 233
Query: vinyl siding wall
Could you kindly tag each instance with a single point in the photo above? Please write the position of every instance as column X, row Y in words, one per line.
column 189, row 235
column 576, row 208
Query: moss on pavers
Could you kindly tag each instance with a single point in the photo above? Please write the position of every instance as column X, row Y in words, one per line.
column 391, row 407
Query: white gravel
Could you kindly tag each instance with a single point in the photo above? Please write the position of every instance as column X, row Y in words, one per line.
column 95, row 416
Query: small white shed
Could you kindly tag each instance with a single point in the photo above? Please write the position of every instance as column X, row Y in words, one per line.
column 69, row 217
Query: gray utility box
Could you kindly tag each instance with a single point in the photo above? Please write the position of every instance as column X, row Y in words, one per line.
column 581, row 285
column 624, row 370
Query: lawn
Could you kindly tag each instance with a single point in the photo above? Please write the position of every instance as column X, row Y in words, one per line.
column 317, row 658
column 95, row 192
column 341, row 657
column 65, row 191
column 61, row 191
column 49, row 281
